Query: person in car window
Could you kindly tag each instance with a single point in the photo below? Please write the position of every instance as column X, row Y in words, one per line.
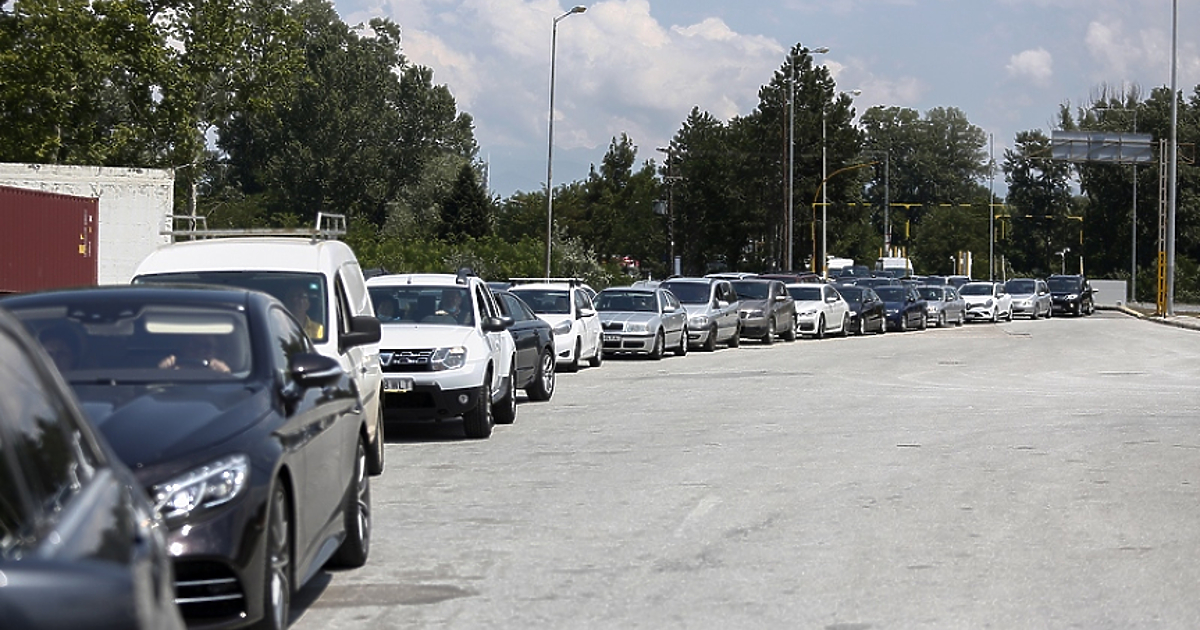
column 298, row 302
column 198, row 351
column 451, row 303
column 63, row 345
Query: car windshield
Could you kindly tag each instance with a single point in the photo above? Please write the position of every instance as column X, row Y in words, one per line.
column 144, row 340
column 415, row 304
column 1063, row 284
column 930, row 293
column 975, row 289
column 892, row 294
column 752, row 290
column 303, row 293
column 805, row 294
column 546, row 301
column 1020, row 287
column 851, row 293
column 627, row 301
column 689, row 292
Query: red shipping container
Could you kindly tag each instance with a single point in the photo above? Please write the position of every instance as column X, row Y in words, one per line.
column 47, row 240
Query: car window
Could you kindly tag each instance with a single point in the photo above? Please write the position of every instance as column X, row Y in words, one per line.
column 689, row 292
column 287, row 340
column 48, row 450
column 546, row 301
column 512, row 307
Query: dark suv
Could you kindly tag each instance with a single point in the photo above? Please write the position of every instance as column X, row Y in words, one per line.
column 1071, row 294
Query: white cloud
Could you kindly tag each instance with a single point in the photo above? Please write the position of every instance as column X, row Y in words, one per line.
column 1037, row 65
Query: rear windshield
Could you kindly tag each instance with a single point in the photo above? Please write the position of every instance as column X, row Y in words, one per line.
column 689, row 292
column 546, row 301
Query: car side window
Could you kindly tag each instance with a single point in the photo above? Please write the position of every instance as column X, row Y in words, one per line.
column 343, row 305
column 51, row 452
column 487, row 307
column 287, row 340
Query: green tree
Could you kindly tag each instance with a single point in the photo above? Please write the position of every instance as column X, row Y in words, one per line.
column 1039, row 203
column 467, row 211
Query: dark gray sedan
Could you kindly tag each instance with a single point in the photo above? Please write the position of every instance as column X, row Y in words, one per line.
column 642, row 321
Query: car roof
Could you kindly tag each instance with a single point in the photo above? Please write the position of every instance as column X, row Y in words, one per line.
column 239, row 254
column 631, row 289
column 197, row 294
column 544, row 286
column 418, row 279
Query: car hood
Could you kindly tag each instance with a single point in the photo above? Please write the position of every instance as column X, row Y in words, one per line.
column 804, row 305
column 424, row 335
column 624, row 317
column 748, row 304
column 147, row 424
column 978, row 299
column 1022, row 296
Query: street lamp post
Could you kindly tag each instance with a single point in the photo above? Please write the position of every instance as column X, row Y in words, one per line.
column 1062, row 255
column 791, row 215
column 670, row 182
column 550, row 141
column 824, row 196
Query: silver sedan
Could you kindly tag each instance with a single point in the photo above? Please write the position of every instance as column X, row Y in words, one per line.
column 647, row 321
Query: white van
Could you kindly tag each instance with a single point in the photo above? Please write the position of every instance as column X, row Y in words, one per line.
column 319, row 279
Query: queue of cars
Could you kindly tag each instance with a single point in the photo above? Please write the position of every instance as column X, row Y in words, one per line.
column 226, row 409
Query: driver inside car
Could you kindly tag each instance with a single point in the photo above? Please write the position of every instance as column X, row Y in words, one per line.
column 198, row 351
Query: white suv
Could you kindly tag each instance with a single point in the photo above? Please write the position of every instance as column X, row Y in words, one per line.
column 568, row 308
column 446, row 351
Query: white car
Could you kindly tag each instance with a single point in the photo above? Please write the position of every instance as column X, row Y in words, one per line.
column 568, row 308
column 445, row 351
column 987, row 301
column 820, row 309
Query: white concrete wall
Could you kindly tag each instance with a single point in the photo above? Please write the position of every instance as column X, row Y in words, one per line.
column 135, row 206
column 1110, row 292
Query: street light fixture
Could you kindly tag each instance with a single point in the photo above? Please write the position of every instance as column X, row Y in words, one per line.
column 550, row 142
column 1063, row 257
column 824, row 197
column 791, row 215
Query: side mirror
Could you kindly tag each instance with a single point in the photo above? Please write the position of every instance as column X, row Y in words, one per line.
column 364, row 329
column 314, row 370
column 496, row 324
column 586, row 312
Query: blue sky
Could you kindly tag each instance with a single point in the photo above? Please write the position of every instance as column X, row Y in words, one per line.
column 639, row 66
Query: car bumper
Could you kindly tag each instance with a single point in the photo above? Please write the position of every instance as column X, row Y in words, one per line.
column 1064, row 306
column 622, row 342
column 754, row 326
column 807, row 323
column 981, row 312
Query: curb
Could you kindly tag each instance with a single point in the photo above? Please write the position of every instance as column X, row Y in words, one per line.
column 1188, row 323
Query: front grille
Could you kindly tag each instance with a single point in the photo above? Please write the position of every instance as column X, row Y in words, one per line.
column 613, row 326
column 208, row 591
column 405, row 360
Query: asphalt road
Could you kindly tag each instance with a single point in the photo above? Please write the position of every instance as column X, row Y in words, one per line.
column 1025, row 475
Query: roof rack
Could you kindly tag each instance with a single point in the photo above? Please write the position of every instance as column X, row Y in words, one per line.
column 187, row 227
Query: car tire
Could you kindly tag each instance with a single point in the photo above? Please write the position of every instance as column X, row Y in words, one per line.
column 277, row 574
column 769, row 338
column 573, row 366
column 478, row 422
column 790, row 333
column 356, row 547
column 1009, row 318
column 995, row 316
column 924, row 323
column 941, row 320
column 903, row 323
column 682, row 350
column 597, row 359
column 660, row 343
column 844, row 331
column 505, row 411
column 542, row 387
column 962, row 318
column 862, row 325
column 819, row 330
column 375, row 462
column 736, row 340
column 710, row 344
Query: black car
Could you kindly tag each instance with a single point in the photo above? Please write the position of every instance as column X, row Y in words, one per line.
column 534, row 338
column 251, row 445
column 867, row 313
column 1071, row 294
column 80, row 544
column 904, row 306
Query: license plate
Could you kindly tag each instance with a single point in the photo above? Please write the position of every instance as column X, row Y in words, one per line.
column 397, row 384
column 611, row 337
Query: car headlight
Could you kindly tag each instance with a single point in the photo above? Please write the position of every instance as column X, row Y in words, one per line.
column 448, row 359
column 637, row 327
column 808, row 312
column 988, row 304
column 563, row 327
column 931, row 308
column 752, row 313
column 699, row 321
column 208, row 486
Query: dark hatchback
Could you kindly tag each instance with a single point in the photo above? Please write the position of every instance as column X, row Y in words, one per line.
column 1071, row 295
column 80, row 545
column 250, row 444
column 904, row 306
column 534, row 338
column 867, row 313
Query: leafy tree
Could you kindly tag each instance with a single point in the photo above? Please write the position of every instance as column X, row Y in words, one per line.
column 467, row 210
column 1039, row 201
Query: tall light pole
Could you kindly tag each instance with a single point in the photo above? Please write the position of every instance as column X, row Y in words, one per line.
column 791, row 215
column 824, row 196
column 550, row 141
column 1172, row 171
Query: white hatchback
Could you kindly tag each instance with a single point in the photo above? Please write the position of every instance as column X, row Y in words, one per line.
column 568, row 309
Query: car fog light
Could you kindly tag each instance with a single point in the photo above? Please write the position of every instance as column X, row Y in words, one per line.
column 463, row 399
